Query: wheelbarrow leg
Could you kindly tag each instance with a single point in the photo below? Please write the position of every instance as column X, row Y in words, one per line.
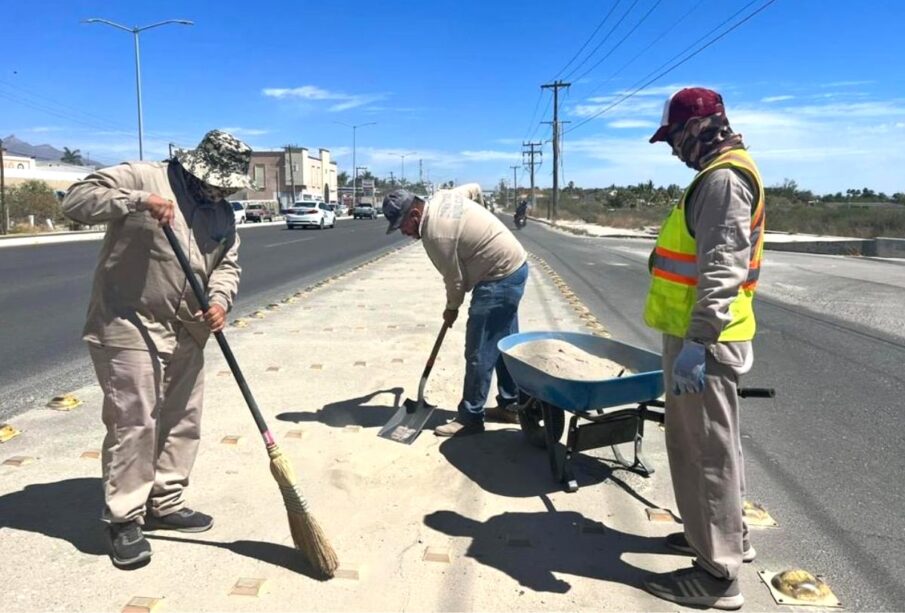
column 638, row 465
column 566, row 475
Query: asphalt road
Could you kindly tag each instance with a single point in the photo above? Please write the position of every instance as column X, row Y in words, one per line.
column 44, row 291
column 827, row 456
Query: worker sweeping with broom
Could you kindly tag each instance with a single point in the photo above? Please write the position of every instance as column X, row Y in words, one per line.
column 151, row 312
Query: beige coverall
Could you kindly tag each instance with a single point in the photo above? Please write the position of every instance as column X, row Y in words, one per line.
column 146, row 344
column 702, row 430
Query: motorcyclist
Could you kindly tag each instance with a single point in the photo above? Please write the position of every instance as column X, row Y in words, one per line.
column 521, row 213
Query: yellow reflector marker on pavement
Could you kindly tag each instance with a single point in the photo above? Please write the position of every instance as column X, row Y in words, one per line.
column 66, row 402
column 7, row 432
column 799, row 588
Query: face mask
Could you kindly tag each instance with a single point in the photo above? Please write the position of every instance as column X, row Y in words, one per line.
column 203, row 192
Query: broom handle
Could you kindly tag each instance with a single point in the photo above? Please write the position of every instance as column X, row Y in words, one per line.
column 430, row 361
column 221, row 339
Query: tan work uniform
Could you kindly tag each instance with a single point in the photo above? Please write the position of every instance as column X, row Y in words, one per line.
column 145, row 342
column 702, row 430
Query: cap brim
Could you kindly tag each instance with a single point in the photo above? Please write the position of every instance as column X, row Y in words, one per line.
column 659, row 135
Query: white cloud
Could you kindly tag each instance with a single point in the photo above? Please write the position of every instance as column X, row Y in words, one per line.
column 44, row 129
column 846, row 83
column 777, row 98
column 487, row 156
column 342, row 101
column 246, row 131
column 632, row 123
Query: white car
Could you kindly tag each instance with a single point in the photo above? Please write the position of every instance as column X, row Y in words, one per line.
column 310, row 215
column 239, row 212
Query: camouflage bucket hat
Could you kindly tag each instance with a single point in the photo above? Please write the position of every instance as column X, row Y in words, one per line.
column 220, row 160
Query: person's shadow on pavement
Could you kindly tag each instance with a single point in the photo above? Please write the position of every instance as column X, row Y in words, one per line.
column 357, row 412
column 530, row 547
column 69, row 510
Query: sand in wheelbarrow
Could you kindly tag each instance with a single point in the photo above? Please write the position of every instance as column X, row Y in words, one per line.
column 566, row 361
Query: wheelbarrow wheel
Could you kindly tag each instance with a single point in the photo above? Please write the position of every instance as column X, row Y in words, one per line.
column 531, row 419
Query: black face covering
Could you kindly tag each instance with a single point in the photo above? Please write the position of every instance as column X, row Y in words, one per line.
column 203, row 193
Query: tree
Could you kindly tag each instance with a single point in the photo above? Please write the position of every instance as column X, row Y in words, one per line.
column 342, row 179
column 71, row 156
column 33, row 198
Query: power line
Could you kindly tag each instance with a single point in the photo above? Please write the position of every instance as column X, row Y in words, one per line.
column 657, row 39
column 601, row 43
column 56, row 113
column 540, row 94
column 671, row 68
column 544, row 114
column 39, row 98
column 622, row 40
column 593, row 34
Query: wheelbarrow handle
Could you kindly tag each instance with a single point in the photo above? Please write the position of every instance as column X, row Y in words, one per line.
column 201, row 296
column 756, row 392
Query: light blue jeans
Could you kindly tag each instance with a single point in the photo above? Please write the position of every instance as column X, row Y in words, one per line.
column 493, row 315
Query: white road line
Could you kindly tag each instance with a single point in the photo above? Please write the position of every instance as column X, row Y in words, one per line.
column 298, row 240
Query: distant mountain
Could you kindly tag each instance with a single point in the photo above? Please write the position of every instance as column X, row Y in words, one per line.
column 16, row 146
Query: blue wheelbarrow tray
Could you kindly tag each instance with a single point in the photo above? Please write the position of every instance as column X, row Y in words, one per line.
column 643, row 383
column 541, row 414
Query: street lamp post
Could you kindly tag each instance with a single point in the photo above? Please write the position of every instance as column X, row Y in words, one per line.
column 135, row 30
column 354, row 164
column 403, row 156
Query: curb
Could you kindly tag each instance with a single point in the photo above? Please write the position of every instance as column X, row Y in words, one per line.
column 53, row 238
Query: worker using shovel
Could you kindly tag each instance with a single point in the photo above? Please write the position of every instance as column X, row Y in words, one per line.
column 474, row 252
column 145, row 331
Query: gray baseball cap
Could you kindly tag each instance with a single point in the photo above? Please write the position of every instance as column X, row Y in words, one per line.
column 395, row 205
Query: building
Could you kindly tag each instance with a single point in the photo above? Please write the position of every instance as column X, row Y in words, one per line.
column 275, row 173
column 18, row 169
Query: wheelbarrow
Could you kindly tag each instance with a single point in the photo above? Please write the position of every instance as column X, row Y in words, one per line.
column 605, row 412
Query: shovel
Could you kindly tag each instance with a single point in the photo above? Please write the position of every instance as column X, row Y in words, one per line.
column 406, row 424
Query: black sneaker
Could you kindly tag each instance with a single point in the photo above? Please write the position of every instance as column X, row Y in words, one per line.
column 128, row 546
column 695, row 587
column 507, row 414
column 678, row 542
column 183, row 520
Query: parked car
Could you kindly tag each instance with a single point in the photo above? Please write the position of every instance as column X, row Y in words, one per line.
column 239, row 212
column 364, row 211
column 258, row 212
column 342, row 210
column 310, row 215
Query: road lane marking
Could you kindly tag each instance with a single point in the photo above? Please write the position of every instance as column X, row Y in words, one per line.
column 298, row 240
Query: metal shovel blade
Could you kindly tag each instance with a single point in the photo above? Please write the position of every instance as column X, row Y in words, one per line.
column 407, row 422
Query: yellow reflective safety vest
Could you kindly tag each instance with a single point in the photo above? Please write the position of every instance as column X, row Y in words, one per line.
column 673, row 289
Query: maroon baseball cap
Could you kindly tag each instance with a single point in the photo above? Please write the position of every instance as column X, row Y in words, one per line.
column 685, row 104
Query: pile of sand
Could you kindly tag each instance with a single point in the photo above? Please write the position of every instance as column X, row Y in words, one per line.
column 561, row 359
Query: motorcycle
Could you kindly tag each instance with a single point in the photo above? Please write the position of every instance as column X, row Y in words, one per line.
column 520, row 220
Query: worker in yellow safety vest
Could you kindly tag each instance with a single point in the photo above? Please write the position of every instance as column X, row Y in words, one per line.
column 705, row 269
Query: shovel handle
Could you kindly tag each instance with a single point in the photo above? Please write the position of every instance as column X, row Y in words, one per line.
column 434, row 351
column 201, row 296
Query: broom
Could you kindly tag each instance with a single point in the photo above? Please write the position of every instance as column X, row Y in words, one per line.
column 306, row 533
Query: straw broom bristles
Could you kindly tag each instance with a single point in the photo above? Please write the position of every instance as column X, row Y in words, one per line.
column 307, row 534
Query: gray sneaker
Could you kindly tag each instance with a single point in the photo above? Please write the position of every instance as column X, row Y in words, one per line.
column 695, row 587
column 678, row 542
column 458, row 428
column 183, row 520
column 128, row 546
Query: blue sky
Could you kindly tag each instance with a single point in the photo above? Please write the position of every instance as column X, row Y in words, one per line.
column 817, row 87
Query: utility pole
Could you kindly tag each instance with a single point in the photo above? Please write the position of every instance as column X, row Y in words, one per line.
column 421, row 171
column 533, row 150
column 392, row 178
column 5, row 219
column 291, row 175
column 514, row 184
column 555, row 86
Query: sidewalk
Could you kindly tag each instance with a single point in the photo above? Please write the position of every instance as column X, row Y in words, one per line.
column 327, row 368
